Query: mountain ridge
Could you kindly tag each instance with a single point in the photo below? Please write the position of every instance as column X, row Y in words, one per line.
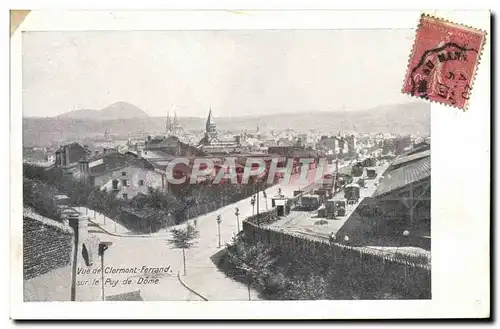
column 115, row 111
column 412, row 117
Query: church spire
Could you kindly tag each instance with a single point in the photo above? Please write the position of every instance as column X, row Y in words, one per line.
column 176, row 121
column 210, row 127
column 209, row 120
column 168, row 123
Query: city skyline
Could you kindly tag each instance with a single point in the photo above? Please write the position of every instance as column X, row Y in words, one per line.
column 237, row 73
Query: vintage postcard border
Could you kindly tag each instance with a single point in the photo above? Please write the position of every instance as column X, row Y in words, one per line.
column 452, row 222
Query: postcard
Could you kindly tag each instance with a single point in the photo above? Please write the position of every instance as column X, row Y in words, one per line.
column 255, row 164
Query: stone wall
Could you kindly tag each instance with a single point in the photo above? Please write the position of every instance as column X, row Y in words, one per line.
column 48, row 259
column 46, row 246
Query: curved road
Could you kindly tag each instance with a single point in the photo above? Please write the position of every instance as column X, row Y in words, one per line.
column 155, row 251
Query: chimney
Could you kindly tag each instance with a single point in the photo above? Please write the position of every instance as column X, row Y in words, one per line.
column 149, row 139
column 237, row 139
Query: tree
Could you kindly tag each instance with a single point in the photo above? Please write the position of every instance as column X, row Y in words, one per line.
column 314, row 287
column 155, row 197
column 183, row 239
column 253, row 259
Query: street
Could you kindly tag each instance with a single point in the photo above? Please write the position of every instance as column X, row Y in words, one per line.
column 128, row 251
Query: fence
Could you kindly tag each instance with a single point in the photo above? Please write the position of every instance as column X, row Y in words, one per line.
column 366, row 269
column 206, row 207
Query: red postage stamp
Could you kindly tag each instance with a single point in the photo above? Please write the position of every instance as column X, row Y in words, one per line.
column 443, row 62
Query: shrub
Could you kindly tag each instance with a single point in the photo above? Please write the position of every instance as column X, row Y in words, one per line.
column 39, row 196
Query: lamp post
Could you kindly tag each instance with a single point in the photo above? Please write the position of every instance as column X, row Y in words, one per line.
column 237, row 213
column 218, row 227
column 103, row 246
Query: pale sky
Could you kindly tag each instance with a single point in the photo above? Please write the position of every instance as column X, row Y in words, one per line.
column 234, row 72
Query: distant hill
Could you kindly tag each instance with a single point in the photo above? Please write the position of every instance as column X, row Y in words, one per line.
column 410, row 117
column 398, row 118
column 115, row 111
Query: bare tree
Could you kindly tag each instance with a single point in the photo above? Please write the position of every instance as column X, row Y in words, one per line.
column 184, row 239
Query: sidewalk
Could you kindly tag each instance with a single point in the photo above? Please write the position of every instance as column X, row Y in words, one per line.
column 107, row 224
column 203, row 276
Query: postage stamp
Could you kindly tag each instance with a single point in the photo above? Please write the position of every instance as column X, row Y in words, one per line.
column 444, row 61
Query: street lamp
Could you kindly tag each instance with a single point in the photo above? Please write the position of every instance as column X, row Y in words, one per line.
column 252, row 202
column 103, row 246
column 237, row 213
column 218, row 227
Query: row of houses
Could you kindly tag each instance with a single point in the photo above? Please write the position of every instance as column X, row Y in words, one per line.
column 338, row 145
column 134, row 171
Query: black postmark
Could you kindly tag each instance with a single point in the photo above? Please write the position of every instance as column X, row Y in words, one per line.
column 446, row 89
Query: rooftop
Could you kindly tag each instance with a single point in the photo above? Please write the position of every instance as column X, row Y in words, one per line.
column 127, row 296
column 404, row 170
column 411, row 157
column 115, row 161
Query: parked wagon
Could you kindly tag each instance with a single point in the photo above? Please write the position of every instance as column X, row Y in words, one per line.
column 310, row 202
column 369, row 162
column 371, row 173
column 357, row 170
column 335, row 208
column 351, row 193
